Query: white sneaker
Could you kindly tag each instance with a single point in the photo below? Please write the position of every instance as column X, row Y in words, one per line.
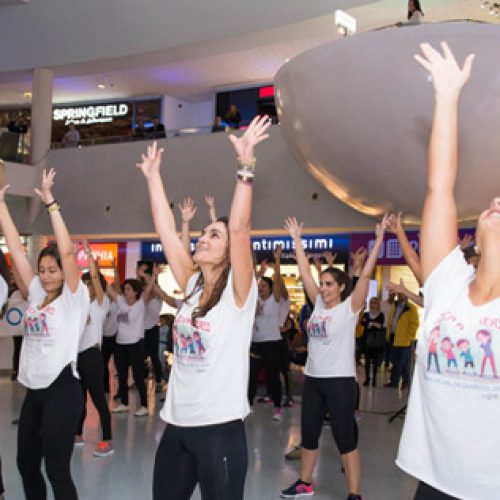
column 141, row 412
column 120, row 409
column 277, row 415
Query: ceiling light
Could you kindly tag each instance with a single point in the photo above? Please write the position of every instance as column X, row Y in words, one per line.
column 101, row 86
column 27, row 95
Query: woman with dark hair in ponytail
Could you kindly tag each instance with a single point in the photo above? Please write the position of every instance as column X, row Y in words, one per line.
column 204, row 441
column 53, row 323
column 330, row 382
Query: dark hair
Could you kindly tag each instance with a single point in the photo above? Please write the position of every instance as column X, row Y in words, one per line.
column 50, row 251
column 469, row 253
column 486, row 333
column 269, row 282
column 418, row 8
column 87, row 277
column 219, row 286
column 462, row 341
column 136, row 286
column 4, row 268
column 341, row 278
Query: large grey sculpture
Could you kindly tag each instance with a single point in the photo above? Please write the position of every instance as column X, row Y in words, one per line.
column 357, row 114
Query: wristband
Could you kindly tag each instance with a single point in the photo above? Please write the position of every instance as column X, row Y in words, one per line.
column 244, row 177
column 53, row 208
column 53, row 202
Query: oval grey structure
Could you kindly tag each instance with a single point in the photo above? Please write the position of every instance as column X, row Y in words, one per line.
column 357, row 114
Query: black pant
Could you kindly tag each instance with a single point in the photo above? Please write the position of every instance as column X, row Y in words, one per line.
column 2, row 490
column 400, row 364
column 91, row 379
column 373, row 360
column 151, row 348
column 107, row 350
column 130, row 355
column 214, row 456
column 426, row 492
column 269, row 355
column 47, row 425
column 337, row 396
column 18, row 342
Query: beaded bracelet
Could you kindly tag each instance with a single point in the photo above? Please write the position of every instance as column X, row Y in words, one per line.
column 54, row 207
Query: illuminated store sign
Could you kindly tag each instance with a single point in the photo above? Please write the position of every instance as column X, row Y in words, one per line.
column 86, row 115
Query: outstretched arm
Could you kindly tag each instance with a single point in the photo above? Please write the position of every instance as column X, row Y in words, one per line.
column 395, row 225
column 241, row 207
column 439, row 219
column 94, row 273
column 63, row 239
column 210, row 201
column 188, row 211
column 16, row 249
column 360, row 292
column 279, row 289
column 115, row 289
column 295, row 231
column 401, row 288
column 179, row 260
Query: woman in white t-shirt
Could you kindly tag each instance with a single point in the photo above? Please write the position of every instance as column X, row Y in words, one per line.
column 267, row 343
column 330, row 382
column 90, row 365
column 129, row 348
column 450, row 440
column 3, row 299
column 54, row 322
column 204, row 441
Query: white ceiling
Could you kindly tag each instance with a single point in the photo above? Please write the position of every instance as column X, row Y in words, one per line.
column 191, row 68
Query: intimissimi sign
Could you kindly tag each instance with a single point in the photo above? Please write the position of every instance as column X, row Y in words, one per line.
column 86, row 115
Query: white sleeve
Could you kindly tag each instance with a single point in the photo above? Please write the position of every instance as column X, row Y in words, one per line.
column 78, row 298
column 4, row 291
column 228, row 294
column 36, row 293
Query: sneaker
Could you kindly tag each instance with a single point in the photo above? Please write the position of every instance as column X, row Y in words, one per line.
column 104, row 448
column 298, row 489
column 288, row 403
column 277, row 414
column 294, row 454
column 120, row 409
column 141, row 412
column 79, row 440
column 265, row 399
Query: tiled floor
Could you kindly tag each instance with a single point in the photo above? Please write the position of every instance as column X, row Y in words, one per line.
column 128, row 473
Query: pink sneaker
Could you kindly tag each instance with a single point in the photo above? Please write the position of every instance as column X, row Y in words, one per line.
column 298, row 489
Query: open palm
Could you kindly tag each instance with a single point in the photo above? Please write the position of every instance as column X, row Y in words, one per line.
column 151, row 161
column 254, row 134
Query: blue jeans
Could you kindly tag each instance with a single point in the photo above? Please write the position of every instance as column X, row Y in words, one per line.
column 400, row 365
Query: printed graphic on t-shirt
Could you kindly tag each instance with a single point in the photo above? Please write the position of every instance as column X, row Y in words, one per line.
column 463, row 354
column 35, row 322
column 122, row 317
column 190, row 342
column 317, row 328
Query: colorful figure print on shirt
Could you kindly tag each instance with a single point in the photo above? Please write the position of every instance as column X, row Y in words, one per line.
column 317, row 328
column 432, row 344
column 190, row 343
column 35, row 322
column 463, row 346
column 484, row 339
column 447, row 347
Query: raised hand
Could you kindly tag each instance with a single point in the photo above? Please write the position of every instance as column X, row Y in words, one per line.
column 277, row 252
column 317, row 263
column 151, row 161
column 358, row 258
column 293, row 227
column 381, row 227
column 254, row 134
column 466, row 241
column 330, row 258
column 210, row 201
column 447, row 76
column 45, row 190
column 394, row 222
column 188, row 209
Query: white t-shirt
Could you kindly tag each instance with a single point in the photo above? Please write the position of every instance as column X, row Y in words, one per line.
column 152, row 313
column 209, row 379
column 52, row 334
column 268, row 320
column 331, row 347
column 284, row 310
column 451, row 437
column 130, row 321
column 92, row 334
column 16, row 307
column 110, row 326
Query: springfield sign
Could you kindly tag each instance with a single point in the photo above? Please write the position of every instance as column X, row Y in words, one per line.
column 87, row 115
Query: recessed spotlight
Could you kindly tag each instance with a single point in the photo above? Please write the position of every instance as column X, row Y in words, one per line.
column 101, row 86
column 27, row 95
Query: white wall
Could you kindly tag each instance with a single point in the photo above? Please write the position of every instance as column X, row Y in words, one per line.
column 179, row 114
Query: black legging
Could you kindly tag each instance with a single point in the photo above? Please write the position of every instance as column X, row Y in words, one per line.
column 91, row 379
column 269, row 355
column 373, row 360
column 426, row 492
column 125, row 356
column 215, row 456
column 107, row 350
column 151, row 348
column 18, row 342
column 47, row 425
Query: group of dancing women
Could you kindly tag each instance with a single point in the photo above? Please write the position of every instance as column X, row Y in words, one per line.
column 449, row 441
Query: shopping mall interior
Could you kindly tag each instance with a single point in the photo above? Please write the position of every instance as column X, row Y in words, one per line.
column 86, row 86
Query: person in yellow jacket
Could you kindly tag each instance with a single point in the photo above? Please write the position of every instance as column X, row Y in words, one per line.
column 402, row 326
